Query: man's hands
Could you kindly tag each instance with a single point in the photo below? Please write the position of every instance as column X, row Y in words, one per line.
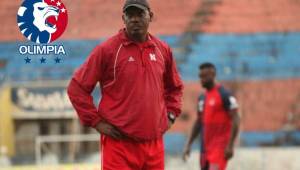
column 192, row 136
column 186, row 152
column 170, row 123
column 109, row 130
column 228, row 153
column 171, row 119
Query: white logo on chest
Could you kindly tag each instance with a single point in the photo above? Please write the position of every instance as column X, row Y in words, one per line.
column 212, row 102
column 152, row 57
column 131, row 59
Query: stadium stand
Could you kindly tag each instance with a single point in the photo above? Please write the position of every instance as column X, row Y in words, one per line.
column 247, row 56
column 94, row 19
column 244, row 16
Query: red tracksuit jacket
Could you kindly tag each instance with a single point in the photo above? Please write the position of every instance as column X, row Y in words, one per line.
column 139, row 85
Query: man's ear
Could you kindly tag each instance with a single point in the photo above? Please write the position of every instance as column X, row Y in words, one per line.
column 151, row 15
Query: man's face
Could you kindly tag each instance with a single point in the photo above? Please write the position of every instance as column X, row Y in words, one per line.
column 137, row 21
column 207, row 77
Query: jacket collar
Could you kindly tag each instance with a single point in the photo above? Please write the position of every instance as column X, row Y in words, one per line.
column 126, row 41
column 216, row 86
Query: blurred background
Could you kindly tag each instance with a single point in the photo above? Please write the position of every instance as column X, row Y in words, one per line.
column 255, row 45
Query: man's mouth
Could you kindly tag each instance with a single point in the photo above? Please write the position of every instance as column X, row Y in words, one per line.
column 136, row 28
column 136, row 25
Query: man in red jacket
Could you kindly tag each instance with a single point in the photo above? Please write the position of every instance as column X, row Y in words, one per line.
column 141, row 93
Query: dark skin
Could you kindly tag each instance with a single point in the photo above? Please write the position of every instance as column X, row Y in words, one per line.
column 106, row 128
column 137, row 23
column 207, row 80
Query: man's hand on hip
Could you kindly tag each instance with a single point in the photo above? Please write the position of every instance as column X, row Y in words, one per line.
column 108, row 129
column 169, row 124
column 186, row 152
column 228, row 153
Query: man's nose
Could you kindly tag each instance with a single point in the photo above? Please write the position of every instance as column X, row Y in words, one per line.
column 135, row 18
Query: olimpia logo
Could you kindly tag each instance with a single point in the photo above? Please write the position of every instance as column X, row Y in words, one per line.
column 42, row 21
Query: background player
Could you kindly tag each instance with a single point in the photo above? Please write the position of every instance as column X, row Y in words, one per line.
column 217, row 122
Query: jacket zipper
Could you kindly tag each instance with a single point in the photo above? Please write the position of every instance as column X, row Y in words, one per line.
column 142, row 57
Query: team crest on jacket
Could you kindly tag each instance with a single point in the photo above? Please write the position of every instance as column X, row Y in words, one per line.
column 42, row 21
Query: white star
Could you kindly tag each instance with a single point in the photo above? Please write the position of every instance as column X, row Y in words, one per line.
column 63, row 10
column 58, row 3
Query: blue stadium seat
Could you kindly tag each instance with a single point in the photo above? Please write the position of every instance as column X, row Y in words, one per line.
column 247, row 56
column 236, row 56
